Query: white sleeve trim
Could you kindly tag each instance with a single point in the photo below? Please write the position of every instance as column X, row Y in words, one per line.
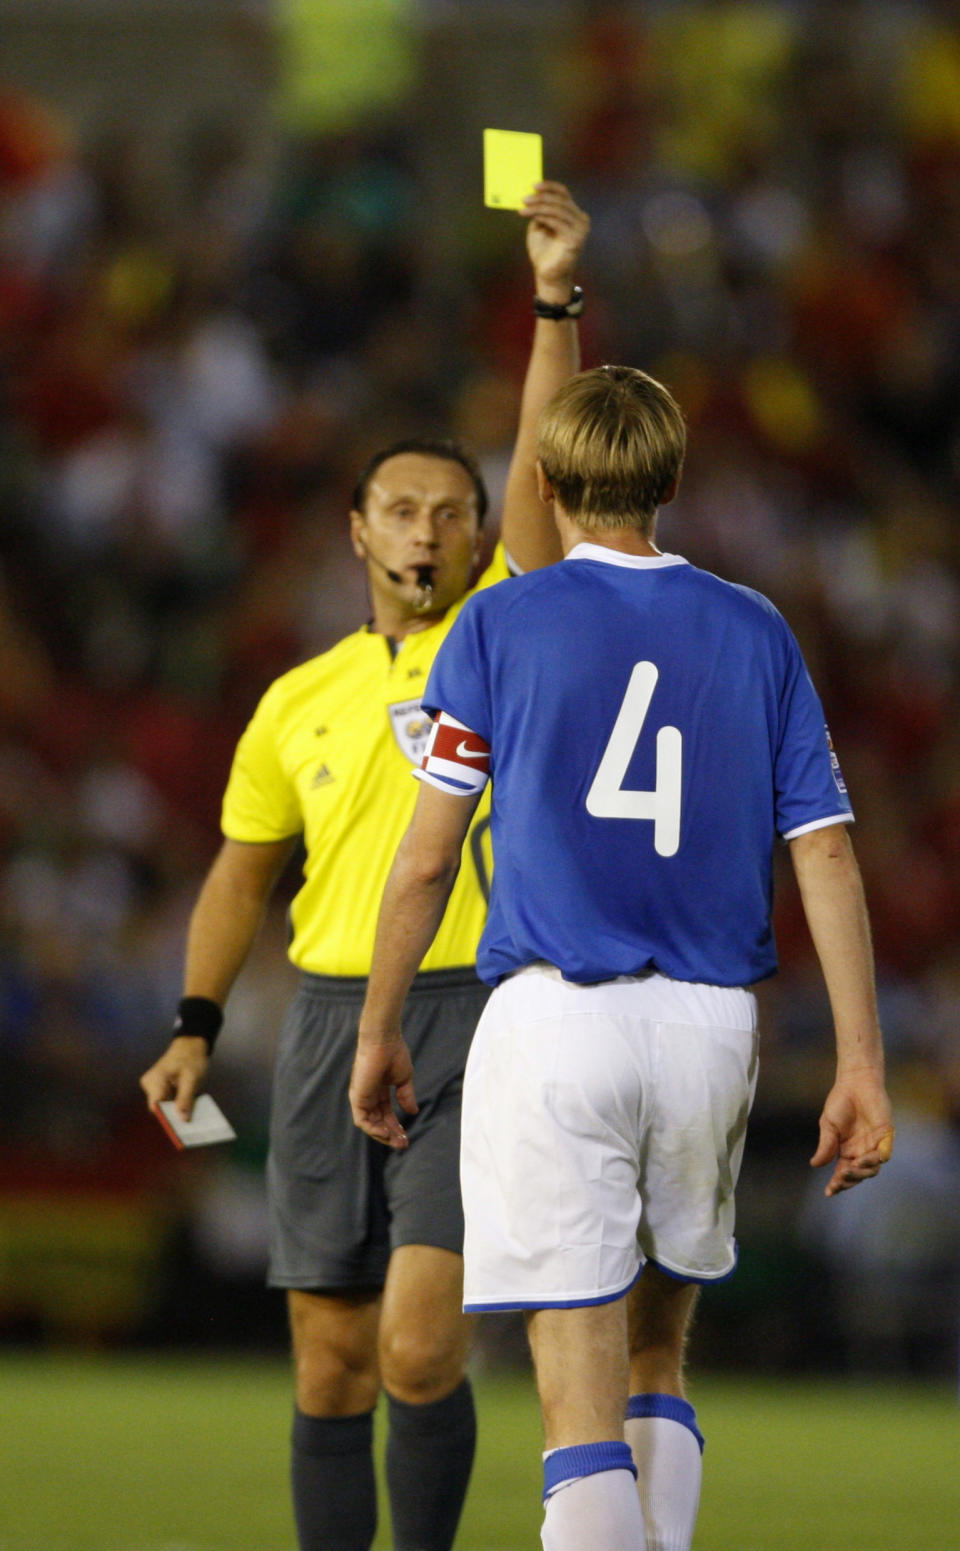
column 805, row 829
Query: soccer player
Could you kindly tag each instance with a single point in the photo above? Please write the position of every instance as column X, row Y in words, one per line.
column 369, row 1247
column 649, row 730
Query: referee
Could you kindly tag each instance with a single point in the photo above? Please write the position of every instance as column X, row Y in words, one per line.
column 368, row 1244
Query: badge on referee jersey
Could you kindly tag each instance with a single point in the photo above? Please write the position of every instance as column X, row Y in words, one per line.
column 411, row 728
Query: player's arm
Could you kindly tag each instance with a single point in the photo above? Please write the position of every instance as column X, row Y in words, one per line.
column 556, row 233
column 223, row 925
column 856, row 1126
column 414, row 899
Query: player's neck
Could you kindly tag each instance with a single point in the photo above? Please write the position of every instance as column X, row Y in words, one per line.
column 626, row 541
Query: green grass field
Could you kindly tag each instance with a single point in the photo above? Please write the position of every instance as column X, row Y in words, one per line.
column 133, row 1454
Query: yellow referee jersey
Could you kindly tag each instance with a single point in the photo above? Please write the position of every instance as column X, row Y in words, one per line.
column 328, row 753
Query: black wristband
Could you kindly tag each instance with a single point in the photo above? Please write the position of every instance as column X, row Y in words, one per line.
column 560, row 310
column 198, row 1018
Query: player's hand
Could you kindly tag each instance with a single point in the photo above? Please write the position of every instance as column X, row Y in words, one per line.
column 856, row 1130
column 556, row 233
column 378, row 1070
column 178, row 1074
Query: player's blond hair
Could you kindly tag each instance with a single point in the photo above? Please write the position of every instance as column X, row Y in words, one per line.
column 611, row 443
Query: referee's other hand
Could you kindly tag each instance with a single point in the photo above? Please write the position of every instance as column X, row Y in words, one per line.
column 178, row 1074
column 379, row 1071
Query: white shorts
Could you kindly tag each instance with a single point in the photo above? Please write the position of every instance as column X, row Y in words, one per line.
column 603, row 1126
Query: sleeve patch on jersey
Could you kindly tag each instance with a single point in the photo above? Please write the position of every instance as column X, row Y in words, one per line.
column 411, row 728
column 455, row 757
column 840, row 783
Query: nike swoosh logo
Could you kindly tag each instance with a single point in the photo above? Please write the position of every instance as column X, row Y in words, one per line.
column 464, row 753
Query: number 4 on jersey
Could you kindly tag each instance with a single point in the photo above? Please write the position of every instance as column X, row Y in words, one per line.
column 609, row 799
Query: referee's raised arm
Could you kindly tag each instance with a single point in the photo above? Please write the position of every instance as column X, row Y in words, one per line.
column 556, row 233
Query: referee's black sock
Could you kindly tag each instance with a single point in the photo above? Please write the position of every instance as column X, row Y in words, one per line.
column 429, row 1458
column 334, row 1491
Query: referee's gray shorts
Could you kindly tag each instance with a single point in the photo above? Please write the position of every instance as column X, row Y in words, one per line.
column 339, row 1202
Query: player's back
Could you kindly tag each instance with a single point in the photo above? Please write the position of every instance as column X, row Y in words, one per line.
column 652, row 728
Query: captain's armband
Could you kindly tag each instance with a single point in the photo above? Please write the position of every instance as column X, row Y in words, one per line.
column 456, row 759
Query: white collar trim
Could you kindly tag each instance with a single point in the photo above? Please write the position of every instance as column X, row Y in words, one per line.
column 587, row 551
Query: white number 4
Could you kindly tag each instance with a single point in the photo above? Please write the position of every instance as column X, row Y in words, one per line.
column 609, row 799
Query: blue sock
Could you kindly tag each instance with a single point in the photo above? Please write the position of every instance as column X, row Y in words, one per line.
column 669, row 1406
column 590, row 1499
column 584, row 1459
column 667, row 1445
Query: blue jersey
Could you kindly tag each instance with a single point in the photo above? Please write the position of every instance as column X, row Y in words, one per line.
column 651, row 729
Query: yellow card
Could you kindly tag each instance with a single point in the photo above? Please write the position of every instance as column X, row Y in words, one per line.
column 512, row 164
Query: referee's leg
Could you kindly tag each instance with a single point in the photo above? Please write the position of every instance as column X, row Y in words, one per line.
column 337, row 1385
column 424, row 1342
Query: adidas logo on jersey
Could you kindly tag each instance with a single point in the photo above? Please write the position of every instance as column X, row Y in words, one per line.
column 322, row 777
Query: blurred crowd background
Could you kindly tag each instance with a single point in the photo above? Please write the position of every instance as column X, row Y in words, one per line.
column 243, row 245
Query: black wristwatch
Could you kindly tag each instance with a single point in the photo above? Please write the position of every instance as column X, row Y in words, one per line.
column 557, row 311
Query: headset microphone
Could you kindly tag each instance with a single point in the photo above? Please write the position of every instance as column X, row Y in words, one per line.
column 424, row 594
column 393, row 575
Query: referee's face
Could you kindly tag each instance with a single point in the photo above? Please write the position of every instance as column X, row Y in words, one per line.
column 419, row 524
